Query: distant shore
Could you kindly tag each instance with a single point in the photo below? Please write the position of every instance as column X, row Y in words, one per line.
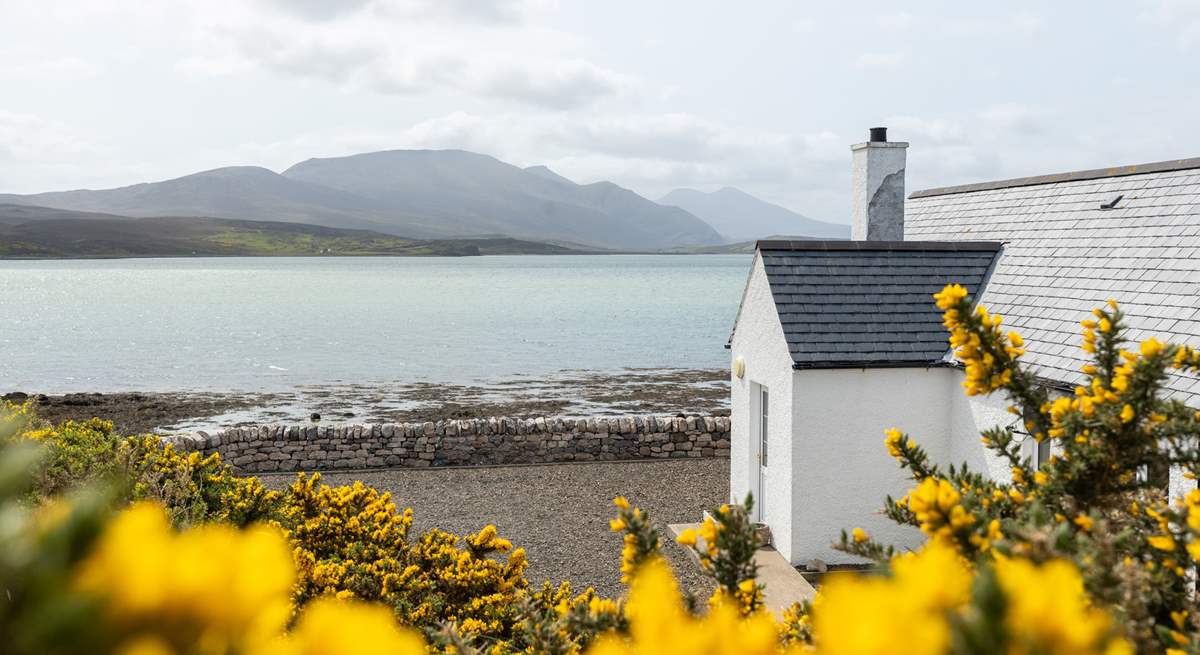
column 731, row 249
column 582, row 393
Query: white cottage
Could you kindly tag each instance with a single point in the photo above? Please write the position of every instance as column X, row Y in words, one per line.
column 837, row 340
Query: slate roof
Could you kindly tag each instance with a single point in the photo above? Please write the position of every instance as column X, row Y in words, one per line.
column 1064, row 255
column 868, row 303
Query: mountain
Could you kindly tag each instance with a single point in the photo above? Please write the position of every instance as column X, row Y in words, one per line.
column 545, row 172
column 739, row 216
column 40, row 232
column 460, row 192
column 242, row 192
column 424, row 194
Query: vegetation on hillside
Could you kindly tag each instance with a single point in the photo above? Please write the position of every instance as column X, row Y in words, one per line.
column 75, row 234
column 119, row 544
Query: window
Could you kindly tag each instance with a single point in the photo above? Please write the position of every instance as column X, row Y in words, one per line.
column 762, row 428
column 1041, row 452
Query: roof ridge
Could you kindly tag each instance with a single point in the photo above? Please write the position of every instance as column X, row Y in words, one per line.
column 1073, row 176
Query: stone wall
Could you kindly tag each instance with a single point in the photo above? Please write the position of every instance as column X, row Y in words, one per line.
column 462, row 443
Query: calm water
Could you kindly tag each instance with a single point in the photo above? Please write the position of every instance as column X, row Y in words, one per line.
column 277, row 323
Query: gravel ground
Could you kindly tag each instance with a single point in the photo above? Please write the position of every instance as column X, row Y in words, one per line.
column 559, row 513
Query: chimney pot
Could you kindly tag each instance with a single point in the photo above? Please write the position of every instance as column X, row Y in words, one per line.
column 878, row 134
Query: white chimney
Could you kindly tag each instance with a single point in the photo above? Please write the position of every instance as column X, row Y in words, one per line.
column 878, row 211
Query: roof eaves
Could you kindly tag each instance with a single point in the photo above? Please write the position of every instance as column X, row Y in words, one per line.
column 878, row 246
column 886, row 363
column 1041, row 380
column 1074, row 176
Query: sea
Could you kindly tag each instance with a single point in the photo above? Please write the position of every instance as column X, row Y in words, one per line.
column 267, row 324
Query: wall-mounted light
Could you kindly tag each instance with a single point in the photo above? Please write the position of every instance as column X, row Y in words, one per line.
column 739, row 367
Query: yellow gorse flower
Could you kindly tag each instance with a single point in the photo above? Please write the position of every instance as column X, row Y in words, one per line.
column 332, row 627
column 893, row 439
column 856, row 615
column 985, row 372
column 1049, row 611
column 659, row 624
column 949, row 296
column 935, row 502
column 639, row 542
column 236, row 584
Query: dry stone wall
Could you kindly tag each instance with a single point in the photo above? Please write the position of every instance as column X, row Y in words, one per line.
column 462, row 442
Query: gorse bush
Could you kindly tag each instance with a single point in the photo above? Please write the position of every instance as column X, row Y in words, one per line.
column 113, row 544
column 75, row 452
column 1094, row 521
column 352, row 542
column 345, row 542
column 725, row 544
column 192, row 488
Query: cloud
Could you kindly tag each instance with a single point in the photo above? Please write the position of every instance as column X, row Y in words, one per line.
column 880, row 60
column 36, row 154
column 653, row 150
column 901, row 20
column 35, row 65
column 1181, row 17
column 483, row 11
column 560, row 85
column 996, row 142
column 320, row 9
column 1006, row 24
column 407, row 47
column 1016, row 117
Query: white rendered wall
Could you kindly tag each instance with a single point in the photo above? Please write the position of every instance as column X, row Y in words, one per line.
column 758, row 339
column 842, row 469
column 1178, row 485
column 975, row 414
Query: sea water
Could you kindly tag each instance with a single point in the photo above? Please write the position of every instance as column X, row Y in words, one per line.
column 247, row 323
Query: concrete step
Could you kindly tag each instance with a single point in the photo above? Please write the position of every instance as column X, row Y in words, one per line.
column 783, row 583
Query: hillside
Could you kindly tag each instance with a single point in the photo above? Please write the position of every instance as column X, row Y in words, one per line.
column 38, row 232
column 739, row 216
column 427, row 194
column 480, row 194
column 242, row 192
column 737, row 247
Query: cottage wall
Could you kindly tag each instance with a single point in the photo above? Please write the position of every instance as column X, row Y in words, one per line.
column 843, row 470
column 972, row 415
column 759, row 341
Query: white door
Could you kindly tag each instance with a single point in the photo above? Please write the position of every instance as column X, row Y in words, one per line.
column 759, row 440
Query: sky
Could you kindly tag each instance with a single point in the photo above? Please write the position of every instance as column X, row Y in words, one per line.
column 763, row 95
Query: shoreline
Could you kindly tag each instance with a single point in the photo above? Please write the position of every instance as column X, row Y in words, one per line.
column 568, row 394
column 573, row 253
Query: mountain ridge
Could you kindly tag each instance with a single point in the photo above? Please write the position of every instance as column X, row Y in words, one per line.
column 421, row 194
column 439, row 194
column 740, row 216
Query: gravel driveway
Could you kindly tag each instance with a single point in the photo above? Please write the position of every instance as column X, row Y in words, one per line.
column 559, row 513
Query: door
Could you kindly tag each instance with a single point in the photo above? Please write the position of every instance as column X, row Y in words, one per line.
column 760, row 401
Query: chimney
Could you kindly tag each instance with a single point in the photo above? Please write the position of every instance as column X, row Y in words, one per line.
column 878, row 186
